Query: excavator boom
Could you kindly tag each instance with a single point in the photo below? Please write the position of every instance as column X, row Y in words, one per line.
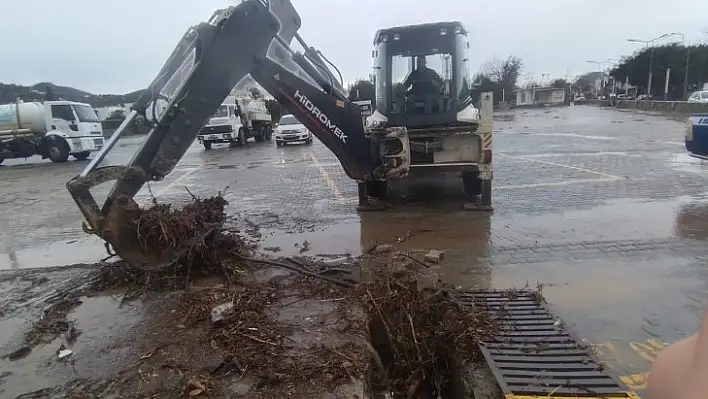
column 253, row 39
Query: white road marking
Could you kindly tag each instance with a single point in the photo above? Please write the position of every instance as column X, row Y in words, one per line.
column 159, row 193
column 575, row 135
column 550, row 184
column 572, row 154
column 564, row 166
column 328, row 180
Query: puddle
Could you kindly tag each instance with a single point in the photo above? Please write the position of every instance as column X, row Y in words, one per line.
column 686, row 163
column 101, row 323
column 617, row 220
column 692, row 221
column 641, row 294
column 412, row 230
column 89, row 249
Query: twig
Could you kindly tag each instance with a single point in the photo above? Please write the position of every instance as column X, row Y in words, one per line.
column 297, row 269
column 259, row 340
column 415, row 260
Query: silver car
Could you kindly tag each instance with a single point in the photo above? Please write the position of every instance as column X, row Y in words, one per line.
column 698, row 97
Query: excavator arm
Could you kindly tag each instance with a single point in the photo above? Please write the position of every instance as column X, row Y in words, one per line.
column 210, row 59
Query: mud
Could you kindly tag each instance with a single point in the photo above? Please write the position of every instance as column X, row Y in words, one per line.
column 582, row 195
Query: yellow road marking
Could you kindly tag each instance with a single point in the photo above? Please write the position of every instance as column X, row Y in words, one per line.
column 636, row 382
column 328, row 180
column 648, row 351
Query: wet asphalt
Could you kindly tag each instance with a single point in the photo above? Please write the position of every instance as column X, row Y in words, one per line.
column 599, row 206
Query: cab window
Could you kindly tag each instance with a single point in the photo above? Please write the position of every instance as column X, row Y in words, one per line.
column 64, row 112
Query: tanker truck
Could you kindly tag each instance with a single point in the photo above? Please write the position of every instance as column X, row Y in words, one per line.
column 53, row 129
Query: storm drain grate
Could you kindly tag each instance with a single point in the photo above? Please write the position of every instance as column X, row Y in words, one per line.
column 535, row 356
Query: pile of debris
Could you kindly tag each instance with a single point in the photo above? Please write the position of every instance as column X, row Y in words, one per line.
column 424, row 337
column 306, row 330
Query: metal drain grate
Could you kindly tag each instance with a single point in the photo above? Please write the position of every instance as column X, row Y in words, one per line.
column 535, row 356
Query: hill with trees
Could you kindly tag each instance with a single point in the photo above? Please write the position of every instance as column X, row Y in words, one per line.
column 45, row 90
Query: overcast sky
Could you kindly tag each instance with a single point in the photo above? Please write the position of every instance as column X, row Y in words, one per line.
column 118, row 46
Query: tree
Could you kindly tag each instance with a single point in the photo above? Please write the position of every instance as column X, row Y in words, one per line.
column 49, row 94
column 559, row 84
column 498, row 76
column 361, row 89
column 671, row 56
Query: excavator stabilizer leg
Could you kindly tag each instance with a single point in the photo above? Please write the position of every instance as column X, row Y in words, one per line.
column 208, row 62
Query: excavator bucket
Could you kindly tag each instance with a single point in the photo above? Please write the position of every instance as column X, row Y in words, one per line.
column 210, row 59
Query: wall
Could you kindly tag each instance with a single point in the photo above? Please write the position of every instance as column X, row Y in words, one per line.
column 671, row 107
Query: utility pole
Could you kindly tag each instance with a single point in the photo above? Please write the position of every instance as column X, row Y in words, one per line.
column 666, row 84
column 650, row 43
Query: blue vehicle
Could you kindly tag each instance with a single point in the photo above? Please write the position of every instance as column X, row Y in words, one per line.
column 697, row 136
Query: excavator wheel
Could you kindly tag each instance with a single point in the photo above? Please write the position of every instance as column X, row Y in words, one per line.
column 486, row 193
column 471, row 184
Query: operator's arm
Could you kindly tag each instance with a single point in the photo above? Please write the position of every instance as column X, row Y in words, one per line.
column 410, row 79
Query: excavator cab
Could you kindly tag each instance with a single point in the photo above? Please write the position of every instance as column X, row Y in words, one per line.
column 421, row 74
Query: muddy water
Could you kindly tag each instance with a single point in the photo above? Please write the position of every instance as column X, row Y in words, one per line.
column 615, row 269
column 97, row 352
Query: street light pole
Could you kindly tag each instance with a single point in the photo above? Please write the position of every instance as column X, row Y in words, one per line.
column 651, row 53
column 685, row 70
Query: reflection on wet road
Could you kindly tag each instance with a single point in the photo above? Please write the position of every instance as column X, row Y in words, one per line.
column 600, row 207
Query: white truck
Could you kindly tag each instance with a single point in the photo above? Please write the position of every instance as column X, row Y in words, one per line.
column 53, row 129
column 240, row 117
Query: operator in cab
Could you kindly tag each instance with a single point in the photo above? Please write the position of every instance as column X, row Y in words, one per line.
column 424, row 83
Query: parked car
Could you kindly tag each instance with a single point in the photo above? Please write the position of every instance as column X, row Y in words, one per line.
column 643, row 97
column 698, row 97
column 290, row 130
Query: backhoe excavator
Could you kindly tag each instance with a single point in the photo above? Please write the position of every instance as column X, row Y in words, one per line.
column 439, row 128
column 436, row 128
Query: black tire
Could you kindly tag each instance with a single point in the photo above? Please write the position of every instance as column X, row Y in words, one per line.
column 471, row 184
column 261, row 135
column 82, row 156
column 207, row 145
column 278, row 143
column 486, row 193
column 241, row 137
column 58, row 150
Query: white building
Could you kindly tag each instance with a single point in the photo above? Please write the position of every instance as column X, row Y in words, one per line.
column 539, row 96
